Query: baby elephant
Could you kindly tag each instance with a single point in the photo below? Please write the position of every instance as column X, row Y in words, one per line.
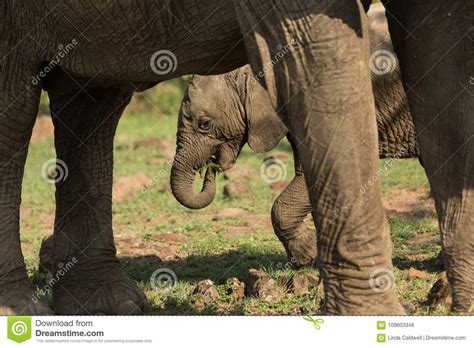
column 221, row 113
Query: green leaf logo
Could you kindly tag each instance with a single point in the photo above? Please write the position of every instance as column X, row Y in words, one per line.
column 316, row 322
column 19, row 329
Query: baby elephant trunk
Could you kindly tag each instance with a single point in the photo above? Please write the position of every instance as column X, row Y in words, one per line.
column 183, row 174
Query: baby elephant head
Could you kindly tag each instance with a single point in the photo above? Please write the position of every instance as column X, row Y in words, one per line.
column 218, row 115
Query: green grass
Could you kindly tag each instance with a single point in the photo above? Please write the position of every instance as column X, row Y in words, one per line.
column 209, row 251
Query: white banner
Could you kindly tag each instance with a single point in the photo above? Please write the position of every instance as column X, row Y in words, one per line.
column 207, row 331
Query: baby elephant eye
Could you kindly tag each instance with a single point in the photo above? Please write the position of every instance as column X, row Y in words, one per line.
column 204, row 124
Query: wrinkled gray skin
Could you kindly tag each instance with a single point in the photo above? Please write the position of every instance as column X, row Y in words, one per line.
column 232, row 109
column 440, row 89
column 323, row 84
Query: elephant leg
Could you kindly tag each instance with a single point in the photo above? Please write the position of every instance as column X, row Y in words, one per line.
column 93, row 282
column 289, row 211
column 18, row 108
column 320, row 55
column 437, row 63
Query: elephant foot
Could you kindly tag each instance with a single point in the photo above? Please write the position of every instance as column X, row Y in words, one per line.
column 340, row 301
column 21, row 300
column 440, row 293
column 301, row 248
column 112, row 292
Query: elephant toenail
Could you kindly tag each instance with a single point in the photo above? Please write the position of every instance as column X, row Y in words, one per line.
column 128, row 308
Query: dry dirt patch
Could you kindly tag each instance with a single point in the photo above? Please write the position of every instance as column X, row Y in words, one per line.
column 42, row 130
column 423, row 239
column 239, row 171
column 126, row 187
column 164, row 246
column 238, row 231
column 167, row 145
column 410, row 204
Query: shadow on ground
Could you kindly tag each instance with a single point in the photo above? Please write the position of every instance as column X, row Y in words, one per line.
column 217, row 268
column 428, row 265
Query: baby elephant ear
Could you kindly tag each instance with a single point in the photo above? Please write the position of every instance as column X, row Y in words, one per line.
column 265, row 128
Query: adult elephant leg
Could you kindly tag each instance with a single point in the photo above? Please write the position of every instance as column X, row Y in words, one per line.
column 320, row 62
column 437, row 59
column 289, row 211
column 83, row 240
column 18, row 109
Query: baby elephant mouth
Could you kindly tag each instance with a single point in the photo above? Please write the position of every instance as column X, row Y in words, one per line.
column 226, row 155
column 216, row 165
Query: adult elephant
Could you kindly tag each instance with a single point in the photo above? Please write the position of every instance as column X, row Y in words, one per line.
column 435, row 47
column 440, row 88
column 91, row 84
column 222, row 113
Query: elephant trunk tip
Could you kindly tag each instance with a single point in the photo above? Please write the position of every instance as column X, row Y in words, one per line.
column 182, row 187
